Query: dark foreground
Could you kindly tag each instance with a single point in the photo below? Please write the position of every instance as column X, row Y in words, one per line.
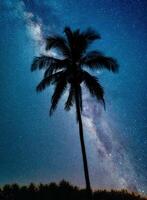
column 62, row 191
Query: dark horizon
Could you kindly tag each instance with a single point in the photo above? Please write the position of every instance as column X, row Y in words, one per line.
column 66, row 187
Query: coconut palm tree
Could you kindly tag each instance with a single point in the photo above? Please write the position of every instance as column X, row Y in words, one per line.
column 70, row 70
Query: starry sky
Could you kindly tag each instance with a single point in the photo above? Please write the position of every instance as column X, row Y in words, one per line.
column 36, row 148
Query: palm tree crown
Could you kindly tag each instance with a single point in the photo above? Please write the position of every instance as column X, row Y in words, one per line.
column 70, row 70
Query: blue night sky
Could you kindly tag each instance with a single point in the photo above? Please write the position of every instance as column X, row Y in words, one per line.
column 36, row 148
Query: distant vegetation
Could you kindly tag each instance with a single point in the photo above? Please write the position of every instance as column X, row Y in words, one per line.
column 62, row 191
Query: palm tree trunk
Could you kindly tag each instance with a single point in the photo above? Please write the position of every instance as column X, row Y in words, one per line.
column 86, row 172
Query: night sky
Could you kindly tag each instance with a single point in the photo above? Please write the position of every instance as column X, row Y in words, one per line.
column 36, row 148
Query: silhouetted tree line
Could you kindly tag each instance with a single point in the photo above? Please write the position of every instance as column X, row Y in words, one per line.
column 63, row 190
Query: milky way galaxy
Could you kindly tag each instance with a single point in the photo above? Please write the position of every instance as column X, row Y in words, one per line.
column 115, row 169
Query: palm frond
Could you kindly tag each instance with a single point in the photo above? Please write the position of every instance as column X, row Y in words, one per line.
column 96, row 60
column 80, row 41
column 58, row 42
column 86, row 38
column 69, row 35
column 43, row 61
column 48, row 80
column 60, row 87
column 91, row 35
column 70, row 99
column 55, row 66
column 93, row 86
column 76, row 43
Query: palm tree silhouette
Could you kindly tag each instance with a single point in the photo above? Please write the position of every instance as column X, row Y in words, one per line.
column 69, row 70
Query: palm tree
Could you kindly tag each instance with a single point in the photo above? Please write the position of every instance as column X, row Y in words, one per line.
column 71, row 70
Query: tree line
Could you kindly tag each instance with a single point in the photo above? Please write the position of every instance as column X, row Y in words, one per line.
column 64, row 190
